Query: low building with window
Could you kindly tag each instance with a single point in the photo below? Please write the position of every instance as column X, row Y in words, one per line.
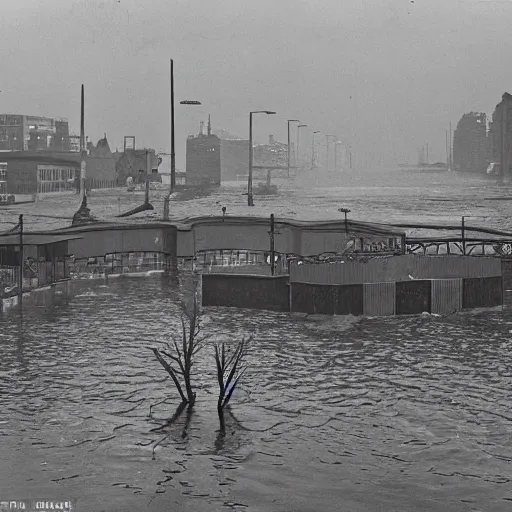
column 46, row 172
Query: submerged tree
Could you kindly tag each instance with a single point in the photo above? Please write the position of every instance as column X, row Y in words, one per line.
column 178, row 359
column 228, row 364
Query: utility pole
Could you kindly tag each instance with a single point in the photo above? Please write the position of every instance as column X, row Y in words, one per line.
column 167, row 199
column 173, row 152
column 313, row 150
column 297, row 154
column 463, row 237
column 20, row 282
column 250, row 200
column 327, row 153
column 503, row 146
column 272, row 245
column 289, row 143
column 447, row 155
column 450, row 142
column 83, row 150
column 148, row 168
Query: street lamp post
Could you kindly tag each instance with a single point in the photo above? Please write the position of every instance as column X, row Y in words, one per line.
column 297, row 154
column 345, row 211
column 327, row 151
column 313, row 150
column 173, row 144
column 290, row 121
column 250, row 201
column 336, row 144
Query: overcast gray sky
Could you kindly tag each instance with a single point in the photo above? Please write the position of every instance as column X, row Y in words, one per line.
column 386, row 76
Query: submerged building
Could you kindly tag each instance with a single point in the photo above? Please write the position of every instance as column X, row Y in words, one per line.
column 213, row 159
column 52, row 171
column 203, row 164
column 470, row 147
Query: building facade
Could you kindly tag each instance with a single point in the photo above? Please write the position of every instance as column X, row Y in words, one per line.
column 132, row 163
column 203, row 164
column 32, row 133
column 470, row 146
column 500, row 137
column 45, row 172
column 212, row 160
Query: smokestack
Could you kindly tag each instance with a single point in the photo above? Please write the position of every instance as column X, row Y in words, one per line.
column 201, row 126
column 209, row 126
column 82, row 130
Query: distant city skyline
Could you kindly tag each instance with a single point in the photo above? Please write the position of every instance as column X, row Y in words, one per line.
column 385, row 78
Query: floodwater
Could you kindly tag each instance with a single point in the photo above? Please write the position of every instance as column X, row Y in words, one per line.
column 386, row 197
column 396, row 414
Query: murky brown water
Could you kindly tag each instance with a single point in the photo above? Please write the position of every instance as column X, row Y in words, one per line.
column 393, row 414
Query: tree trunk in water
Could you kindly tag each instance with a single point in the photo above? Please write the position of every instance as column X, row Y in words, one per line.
column 220, row 411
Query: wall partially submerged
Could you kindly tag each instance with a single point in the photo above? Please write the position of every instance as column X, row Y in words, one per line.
column 384, row 288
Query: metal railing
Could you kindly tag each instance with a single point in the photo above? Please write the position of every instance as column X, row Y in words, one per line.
column 459, row 246
column 119, row 263
column 36, row 274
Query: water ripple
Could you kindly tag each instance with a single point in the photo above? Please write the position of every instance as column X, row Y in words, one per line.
column 422, row 398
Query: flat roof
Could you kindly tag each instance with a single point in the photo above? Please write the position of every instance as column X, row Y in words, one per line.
column 28, row 239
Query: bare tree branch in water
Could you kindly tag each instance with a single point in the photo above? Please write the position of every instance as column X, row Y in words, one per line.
column 228, row 364
column 178, row 359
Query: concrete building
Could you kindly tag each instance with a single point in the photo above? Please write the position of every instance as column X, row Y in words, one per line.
column 212, row 159
column 500, row 138
column 32, row 133
column 470, row 152
column 203, row 159
column 132, row 163
column 49, row 171
column 234, row 158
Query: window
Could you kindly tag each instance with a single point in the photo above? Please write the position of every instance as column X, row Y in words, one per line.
column 3, row 134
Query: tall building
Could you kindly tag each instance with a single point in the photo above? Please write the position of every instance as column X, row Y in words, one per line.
column 470, row 152
column 32, row 133
column 212, row 159
column 500, row 137
column 203, row 165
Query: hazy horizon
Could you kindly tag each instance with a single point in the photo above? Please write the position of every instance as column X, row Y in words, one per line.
column 386, row 76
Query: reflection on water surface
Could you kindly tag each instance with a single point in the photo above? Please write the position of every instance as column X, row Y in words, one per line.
column 407, row 412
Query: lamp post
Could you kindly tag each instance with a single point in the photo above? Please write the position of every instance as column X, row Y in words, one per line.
column 290, row 121
column 297, row 154
column 83, row 148
column 173, row 144
column 313, row 150
column 336, row 144
column 250, row 201
column 327, row 151
column 345, row 211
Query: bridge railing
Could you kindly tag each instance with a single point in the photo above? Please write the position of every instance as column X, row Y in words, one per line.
column 459, row 246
